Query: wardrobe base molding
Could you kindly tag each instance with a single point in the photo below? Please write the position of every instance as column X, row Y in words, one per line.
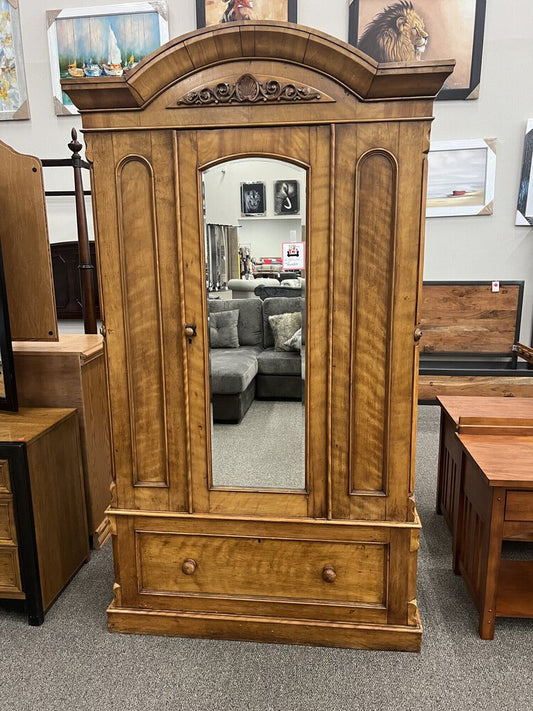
column 397, row 638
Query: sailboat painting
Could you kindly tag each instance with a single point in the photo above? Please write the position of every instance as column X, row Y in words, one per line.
column 102, row 41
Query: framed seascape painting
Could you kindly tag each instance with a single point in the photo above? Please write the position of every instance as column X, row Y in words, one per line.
column 13, row 96
column 253, row 200
column 215, row 12
column 101, row 41
column 410, row 30
column 524, row 208
column 461, row 177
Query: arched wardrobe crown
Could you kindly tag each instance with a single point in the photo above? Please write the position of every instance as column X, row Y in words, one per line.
column 329, row 558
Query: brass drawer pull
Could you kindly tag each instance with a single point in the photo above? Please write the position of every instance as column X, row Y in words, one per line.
column 189, row 566
column 328, row 574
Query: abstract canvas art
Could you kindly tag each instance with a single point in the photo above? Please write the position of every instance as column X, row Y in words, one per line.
column 13, row 96
column 102, row 41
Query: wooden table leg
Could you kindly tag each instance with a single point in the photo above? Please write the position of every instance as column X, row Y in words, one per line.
column 492, row 552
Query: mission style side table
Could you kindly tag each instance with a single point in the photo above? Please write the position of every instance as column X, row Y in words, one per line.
column 467, row 409
column 495, row 504
column 43, row 526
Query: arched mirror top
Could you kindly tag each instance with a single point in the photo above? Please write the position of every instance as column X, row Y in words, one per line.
column 258, row 62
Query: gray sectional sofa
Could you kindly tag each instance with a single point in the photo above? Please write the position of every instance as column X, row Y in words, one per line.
column 254, row 369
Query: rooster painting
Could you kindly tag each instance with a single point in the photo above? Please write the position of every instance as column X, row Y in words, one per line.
column 238, row 10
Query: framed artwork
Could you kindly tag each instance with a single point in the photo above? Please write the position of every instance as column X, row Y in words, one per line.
column 286, row 197
column 101, row 41
column 253, row 199
column 461, row 176
column 13, row 95
column 215, row 12
column 293, row 256
column 524, row 208
column 424, row 29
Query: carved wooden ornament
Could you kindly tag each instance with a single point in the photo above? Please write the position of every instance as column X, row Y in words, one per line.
column 248, row 90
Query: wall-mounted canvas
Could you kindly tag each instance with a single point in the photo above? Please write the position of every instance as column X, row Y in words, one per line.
column 253, row 199
column 524, row 209
column 215, row 12
column 13, row 95
column 461, row 176
column 101, row 41
column 407, row 31
column 286, row 197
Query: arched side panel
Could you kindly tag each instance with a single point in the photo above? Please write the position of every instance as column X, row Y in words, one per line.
column 373, row 314
column 139, row 248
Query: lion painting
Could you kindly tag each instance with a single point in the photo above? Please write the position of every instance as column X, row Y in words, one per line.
column 395, row 35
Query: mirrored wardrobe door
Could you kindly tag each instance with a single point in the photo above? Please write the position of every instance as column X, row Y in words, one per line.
column 248, row 256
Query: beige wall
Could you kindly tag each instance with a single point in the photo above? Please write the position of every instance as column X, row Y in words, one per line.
column 482, row 247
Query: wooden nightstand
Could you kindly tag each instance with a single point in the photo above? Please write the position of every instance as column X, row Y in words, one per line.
column 43, row 526
column 71, row 373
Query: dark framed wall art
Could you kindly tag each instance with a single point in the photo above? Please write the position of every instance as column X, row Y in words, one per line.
column 411, row 30
column 215, row 12
column 286, row 197
column 253, row 199
column 524, row 208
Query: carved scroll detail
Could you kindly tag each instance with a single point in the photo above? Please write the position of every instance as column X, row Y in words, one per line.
column 249, row 90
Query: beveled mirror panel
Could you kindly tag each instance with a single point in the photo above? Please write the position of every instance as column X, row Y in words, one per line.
column 255, row 224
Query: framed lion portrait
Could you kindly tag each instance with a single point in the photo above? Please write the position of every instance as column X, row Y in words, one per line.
column 417, row 30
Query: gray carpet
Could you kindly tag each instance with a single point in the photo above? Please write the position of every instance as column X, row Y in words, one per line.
column 258, row 452
column 72, row 662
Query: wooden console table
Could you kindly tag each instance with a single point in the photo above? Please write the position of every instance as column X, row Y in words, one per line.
column 43, row 527
column 495, row 503
column 71, row 373
column 452, row 409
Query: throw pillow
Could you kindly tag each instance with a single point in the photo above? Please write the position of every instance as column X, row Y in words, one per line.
column 223, row 332
column 284, row 326
column 295, row 342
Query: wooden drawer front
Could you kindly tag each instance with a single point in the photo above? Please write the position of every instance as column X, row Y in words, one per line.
column 7, row 522
column 5, row 483
column 519, row 506
column 238, row 566
column 9, row 571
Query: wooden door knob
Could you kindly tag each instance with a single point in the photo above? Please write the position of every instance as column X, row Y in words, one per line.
column 189, row 566
column 190, row 330
column 418, row 334
column 328, row 574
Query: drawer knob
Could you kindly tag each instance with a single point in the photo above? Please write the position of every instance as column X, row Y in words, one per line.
column 189, row 566
column 328, row 574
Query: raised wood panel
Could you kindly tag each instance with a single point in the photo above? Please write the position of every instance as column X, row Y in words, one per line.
column 5, row 483
column 8, row 532
column 10, row 583
column 373, row 314
column 139, row 246
column 258, row 566
column 25, row 248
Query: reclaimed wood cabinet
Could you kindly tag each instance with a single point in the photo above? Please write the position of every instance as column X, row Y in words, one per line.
column 333, row 562
column 43, row 528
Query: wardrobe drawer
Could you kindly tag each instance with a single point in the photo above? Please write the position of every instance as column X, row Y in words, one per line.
column 5, row 483
column 9, row 571
column 175, row 563
column 7, row 521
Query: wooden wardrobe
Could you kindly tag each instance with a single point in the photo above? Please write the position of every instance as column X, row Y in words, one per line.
column 335, row 562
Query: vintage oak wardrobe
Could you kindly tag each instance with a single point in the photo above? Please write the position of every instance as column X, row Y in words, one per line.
column 334, row 561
